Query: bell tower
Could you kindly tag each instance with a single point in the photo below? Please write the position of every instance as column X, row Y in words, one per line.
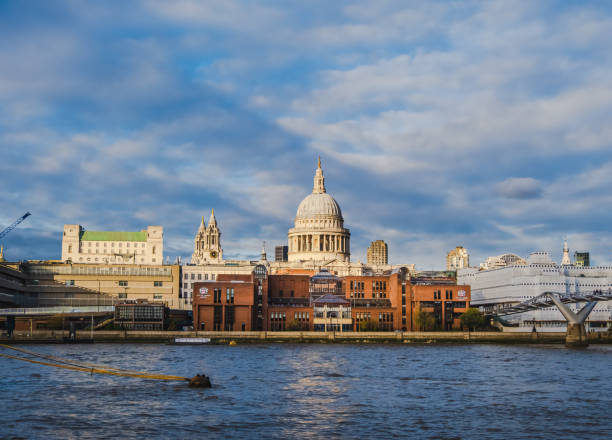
column 207, row 246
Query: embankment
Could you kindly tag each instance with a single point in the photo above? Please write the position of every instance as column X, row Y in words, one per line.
column 50, row 336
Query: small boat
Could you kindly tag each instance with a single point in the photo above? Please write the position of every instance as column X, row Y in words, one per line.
column 191, row 341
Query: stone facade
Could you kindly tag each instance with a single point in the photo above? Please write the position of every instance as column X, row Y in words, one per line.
column 113, row 247
column 458, row 258
column 207, row 248
column 378, row 253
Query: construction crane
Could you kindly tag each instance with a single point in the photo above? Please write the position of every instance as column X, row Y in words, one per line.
column 14, row 225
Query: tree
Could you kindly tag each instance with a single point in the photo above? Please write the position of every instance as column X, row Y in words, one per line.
column 472, row 319
column 425, row 321
column 368, row 326
column 294, row 326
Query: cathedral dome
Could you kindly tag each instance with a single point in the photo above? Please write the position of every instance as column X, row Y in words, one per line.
column 318, row 204
column 319, row 233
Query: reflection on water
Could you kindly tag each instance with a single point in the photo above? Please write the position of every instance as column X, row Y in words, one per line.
column 327, row 390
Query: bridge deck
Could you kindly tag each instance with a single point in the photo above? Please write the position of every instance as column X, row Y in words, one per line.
column 544, row 301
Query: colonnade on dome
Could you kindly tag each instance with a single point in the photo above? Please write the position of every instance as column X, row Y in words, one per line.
column 301, row 242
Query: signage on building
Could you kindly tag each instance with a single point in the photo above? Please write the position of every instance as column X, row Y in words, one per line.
column 461, row 294
column 204, row 292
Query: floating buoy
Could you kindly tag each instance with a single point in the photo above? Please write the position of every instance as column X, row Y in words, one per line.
column 232, row 342
column 200, row 381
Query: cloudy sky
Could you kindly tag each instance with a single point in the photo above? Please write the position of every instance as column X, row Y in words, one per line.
column 482, row 124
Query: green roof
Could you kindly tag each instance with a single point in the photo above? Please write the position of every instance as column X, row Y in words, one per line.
column 113, row 236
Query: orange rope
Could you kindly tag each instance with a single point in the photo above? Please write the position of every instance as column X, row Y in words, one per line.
column 142, row 375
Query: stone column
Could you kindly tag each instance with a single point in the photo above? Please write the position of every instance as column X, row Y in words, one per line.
column 576, row 335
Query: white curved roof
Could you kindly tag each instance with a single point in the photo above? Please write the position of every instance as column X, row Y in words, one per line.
column 315, row 205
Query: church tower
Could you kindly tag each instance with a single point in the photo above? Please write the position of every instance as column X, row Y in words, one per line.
column 207, row 246
column 565, row 261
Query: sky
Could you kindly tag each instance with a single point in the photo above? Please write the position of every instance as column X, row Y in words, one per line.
column 439, row 123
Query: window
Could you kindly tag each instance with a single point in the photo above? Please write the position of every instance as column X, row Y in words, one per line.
column 70, row 282
column 192, row 276
column 157, row 283
column 123, row 295
column 123, row 283
column 157, row 296
column 69, row 248
column 199, row 276
column 280, row 293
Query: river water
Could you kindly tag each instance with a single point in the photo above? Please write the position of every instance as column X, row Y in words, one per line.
column 315, row 391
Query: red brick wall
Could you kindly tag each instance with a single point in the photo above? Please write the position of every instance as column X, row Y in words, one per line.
column 299, row 284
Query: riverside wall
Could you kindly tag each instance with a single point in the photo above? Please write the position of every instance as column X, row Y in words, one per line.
column 56, row 336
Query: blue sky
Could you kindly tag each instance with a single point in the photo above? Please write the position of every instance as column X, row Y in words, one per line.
column 482, row 124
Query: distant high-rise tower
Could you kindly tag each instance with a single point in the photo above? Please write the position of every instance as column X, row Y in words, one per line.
column 378, row 253
column 207, row 247
column 582, row 259
column 565, row 261
column 281, row 253
column 458, row 258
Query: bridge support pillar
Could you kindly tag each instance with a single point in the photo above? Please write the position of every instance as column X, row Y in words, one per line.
column 576, row 336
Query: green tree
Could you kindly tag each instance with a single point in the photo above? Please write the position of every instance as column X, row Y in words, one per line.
column 472, row 319
column 294, row 326
column 425, row 321
column 368, row 326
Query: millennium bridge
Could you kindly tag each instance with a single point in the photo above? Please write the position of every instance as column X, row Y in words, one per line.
column 576, row 333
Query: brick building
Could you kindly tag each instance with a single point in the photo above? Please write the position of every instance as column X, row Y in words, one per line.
column 325, row 302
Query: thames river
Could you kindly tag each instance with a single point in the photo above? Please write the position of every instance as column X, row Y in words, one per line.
column 315, row 391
